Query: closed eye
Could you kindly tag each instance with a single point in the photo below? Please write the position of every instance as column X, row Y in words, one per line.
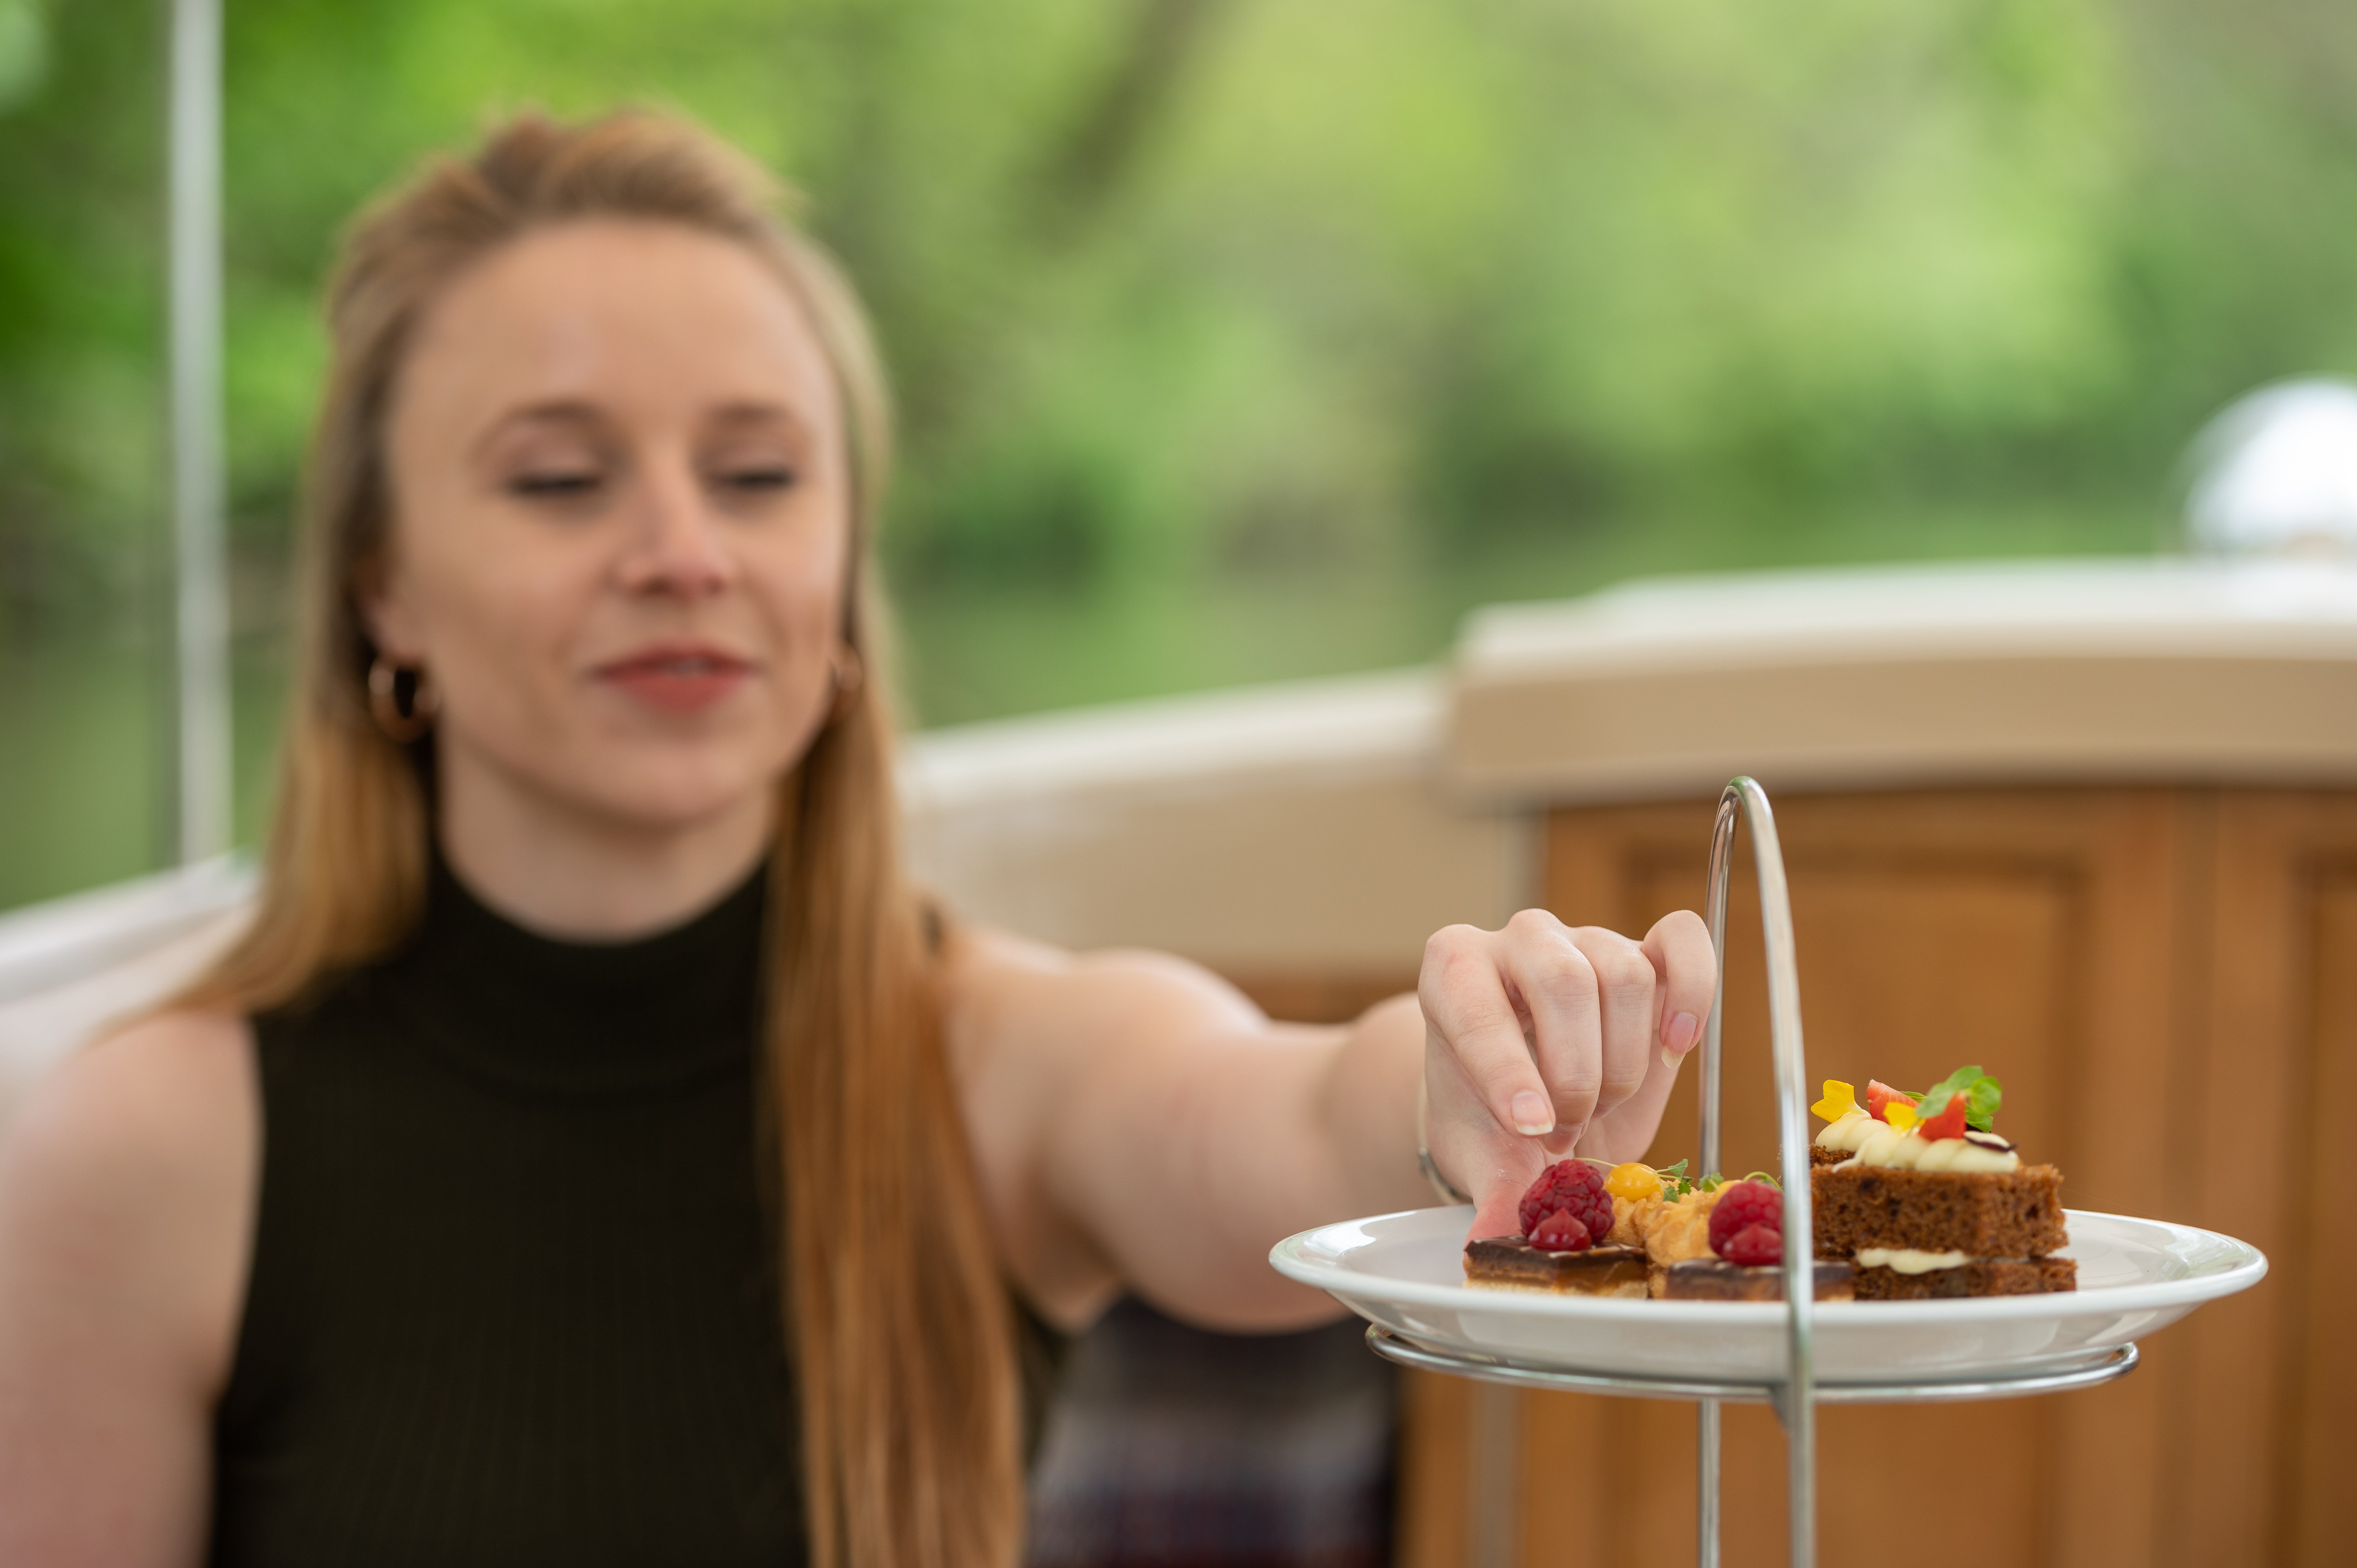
column 557, row 483
column 762, row 479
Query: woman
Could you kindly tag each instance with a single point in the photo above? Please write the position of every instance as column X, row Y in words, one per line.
column 594, row 1151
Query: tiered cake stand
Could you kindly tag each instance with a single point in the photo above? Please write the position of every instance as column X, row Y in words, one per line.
column 1795, row 1396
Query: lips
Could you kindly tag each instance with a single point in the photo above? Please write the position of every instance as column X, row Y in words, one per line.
column 677, row 677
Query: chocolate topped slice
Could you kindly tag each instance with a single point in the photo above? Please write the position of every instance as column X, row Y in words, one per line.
column 1715, row 1279
column 1598, row 1271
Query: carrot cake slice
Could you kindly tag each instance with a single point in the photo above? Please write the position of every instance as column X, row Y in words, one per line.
column 1925, row 1199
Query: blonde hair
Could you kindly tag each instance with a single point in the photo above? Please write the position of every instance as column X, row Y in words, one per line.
column 899, row 1320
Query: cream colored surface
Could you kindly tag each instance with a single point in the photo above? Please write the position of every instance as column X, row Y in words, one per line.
column 1289, row 827
column 79, row 970
column 2173, row 669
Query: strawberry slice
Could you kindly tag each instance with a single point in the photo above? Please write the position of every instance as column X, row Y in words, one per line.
column 1948, row 1123
column 1878, row 1096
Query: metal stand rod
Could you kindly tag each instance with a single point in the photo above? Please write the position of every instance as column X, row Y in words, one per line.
column 2087, row 1371
column 1707, row 1415
column 1796, row 1408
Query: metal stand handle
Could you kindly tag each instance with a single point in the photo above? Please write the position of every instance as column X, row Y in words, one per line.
column 1796, row 1397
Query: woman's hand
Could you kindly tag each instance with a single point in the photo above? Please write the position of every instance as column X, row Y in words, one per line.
column 1543, row 1039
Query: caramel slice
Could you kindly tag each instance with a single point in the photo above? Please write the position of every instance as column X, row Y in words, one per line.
column 1513, row 1262
column 1715, row 1279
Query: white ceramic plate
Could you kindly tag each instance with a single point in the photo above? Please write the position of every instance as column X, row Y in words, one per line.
column 1405, row 1271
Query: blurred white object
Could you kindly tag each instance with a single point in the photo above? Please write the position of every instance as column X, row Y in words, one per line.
column 2276, row 473
column 71, row 967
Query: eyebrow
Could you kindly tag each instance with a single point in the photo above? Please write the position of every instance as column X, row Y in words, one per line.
column 559, row 411
column 578, row 410
column 751, row 411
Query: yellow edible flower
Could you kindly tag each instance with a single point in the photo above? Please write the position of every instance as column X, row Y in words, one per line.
column 1839, row 1101
column 1900, row 1114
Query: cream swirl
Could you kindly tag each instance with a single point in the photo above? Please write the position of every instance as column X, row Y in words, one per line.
column 1908, row 1260
column 1874, row 1142
column 1847, row 1131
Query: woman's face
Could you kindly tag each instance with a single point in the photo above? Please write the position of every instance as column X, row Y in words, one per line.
column 621, row 521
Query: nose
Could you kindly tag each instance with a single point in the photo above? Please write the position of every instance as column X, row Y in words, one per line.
column 677, row 544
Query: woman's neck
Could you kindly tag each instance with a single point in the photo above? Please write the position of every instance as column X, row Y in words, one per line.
column 568, row 874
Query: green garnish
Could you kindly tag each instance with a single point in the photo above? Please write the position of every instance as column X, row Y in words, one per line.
column 1763, row 1175
column 1982, row 1095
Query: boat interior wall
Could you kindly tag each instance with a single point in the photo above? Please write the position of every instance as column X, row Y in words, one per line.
column 1277, row 833
column 2086, row 671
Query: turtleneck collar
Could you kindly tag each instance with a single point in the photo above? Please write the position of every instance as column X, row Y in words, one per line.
column 584, row 1017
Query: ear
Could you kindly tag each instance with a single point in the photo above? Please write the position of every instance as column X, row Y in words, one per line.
column 384, row 612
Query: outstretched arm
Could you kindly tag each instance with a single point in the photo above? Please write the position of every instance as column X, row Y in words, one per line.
column 1138, row 1124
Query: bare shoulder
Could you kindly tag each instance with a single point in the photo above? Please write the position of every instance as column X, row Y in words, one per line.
column 126, row 1192
column 165, row 1099
column 130, row 1170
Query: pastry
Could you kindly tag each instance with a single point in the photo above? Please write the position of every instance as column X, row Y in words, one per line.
column 1925, row 1199
column 1565, row 1244
column 1638, row 1231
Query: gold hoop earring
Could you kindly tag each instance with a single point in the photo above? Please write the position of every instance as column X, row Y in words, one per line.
column 385, row 705
column 850, row 673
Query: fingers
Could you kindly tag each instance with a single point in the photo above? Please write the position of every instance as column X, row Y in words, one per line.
column 1538, row 1034
column 1562, row 993
column 1473, row 1149
column 1627, row 1131
column 1626, row 984
column 1679, row 950
column 1463, row 991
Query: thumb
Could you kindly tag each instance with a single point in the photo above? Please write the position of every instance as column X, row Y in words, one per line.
column 1499, row 1212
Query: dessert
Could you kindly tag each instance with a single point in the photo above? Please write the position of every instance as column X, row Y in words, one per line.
column 1565, row 1245
column 1642, row 1232
column 1923, row 1197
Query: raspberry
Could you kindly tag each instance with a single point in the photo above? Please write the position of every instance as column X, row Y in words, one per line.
column 1573, row 1185
column 1744, row 1205
column 1560, row 1232
column 1753, row 1245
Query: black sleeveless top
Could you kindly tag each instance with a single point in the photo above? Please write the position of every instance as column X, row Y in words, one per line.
column 513, row 1294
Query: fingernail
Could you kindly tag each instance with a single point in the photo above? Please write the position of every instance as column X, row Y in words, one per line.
column 1532, row 1114
column 1668, row 1060
column 1681, row 1030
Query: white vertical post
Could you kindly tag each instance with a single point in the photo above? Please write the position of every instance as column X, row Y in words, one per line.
column 200, row 576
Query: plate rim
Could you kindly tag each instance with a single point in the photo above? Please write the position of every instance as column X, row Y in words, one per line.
column 1287, row 1257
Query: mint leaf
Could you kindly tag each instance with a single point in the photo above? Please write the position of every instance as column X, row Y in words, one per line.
column 1982, row 1096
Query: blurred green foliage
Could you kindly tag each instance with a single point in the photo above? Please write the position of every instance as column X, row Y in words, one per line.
column 1242, row 337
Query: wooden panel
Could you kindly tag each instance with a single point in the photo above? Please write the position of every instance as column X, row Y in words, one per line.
column 2266, row 1400
column 1435, row 1506
column 2323, row 1427
column 2030, row 932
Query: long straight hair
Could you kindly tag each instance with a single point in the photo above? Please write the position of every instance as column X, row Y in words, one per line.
column 897, row 1318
